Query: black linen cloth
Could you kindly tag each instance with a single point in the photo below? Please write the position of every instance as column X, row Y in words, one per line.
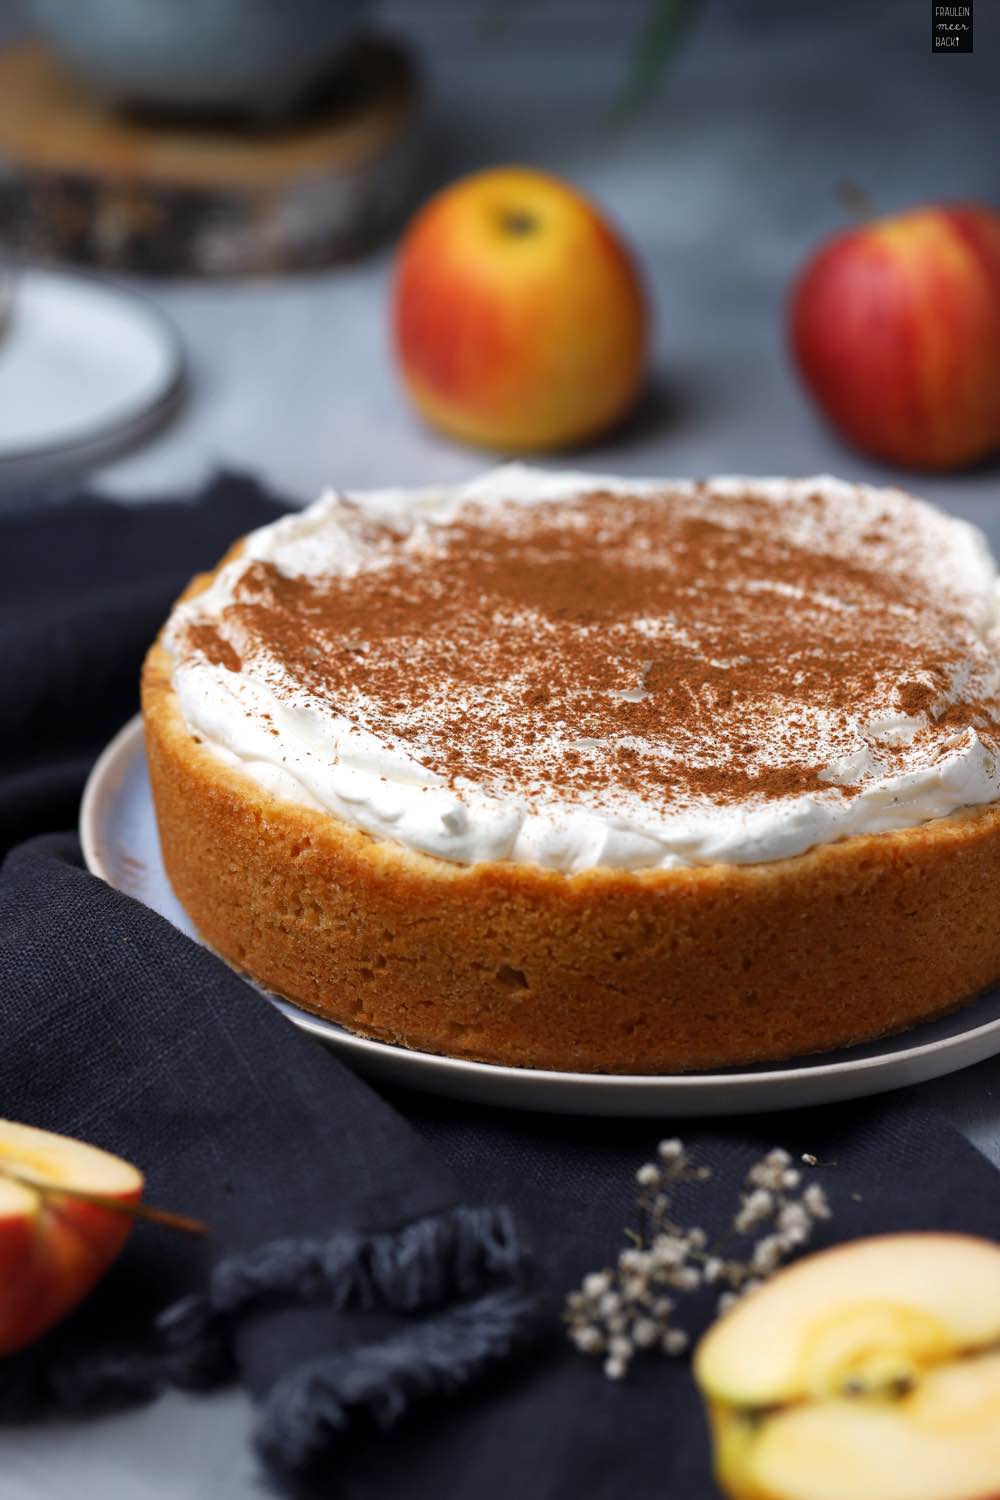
column 385, row 1271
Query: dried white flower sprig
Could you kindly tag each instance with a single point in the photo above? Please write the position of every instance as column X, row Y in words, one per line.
column 616, row 1313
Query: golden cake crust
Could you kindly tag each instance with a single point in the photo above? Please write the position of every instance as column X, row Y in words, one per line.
column 606, row 971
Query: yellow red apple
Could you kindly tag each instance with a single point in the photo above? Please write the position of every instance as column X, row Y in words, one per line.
column 520, row 321
column 895, row 327
column 867, row 1372
column 55, row 1246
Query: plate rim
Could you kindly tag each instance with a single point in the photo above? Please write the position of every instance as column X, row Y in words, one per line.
column 130, row 740
column 129, row 419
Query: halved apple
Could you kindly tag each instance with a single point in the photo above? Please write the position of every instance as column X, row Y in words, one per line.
column 56, row 1237
column 867, row 1372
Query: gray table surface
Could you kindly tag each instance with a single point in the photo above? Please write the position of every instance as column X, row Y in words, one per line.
column 723, row 185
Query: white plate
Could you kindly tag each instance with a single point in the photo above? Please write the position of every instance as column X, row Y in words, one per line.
column 84, row 366
column 120, row 844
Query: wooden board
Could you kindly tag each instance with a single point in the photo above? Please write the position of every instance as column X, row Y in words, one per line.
column 81, row 183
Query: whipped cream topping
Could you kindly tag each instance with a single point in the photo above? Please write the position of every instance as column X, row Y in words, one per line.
column 578, row 670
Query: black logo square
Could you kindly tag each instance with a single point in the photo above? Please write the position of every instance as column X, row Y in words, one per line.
column 951, row 25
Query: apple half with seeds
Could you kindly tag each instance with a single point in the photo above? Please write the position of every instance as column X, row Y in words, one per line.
column 866, row 1372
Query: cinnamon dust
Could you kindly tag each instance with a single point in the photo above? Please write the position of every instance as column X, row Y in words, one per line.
column 675, row 648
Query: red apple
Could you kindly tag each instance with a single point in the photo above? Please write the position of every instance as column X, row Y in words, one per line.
column 896, row 329
column 54, row 1245
column 520, row 322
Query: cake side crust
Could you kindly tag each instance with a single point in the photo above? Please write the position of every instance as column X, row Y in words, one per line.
column 609, row 970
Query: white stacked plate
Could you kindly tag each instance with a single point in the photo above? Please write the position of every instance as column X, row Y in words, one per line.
column 85, row 369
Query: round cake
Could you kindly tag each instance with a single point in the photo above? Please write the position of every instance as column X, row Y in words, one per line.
column 584, row 773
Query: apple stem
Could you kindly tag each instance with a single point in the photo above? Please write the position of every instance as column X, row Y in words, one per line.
column 856, row 201
column 162, row 1216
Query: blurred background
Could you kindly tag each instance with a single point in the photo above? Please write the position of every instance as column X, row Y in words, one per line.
column 717, row 138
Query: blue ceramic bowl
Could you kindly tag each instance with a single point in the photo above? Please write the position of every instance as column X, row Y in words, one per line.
column 251, row 57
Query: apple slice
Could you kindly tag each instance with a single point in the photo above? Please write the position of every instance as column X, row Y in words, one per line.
column 56, row 1245
column 941, row 1440
column 867, row 1372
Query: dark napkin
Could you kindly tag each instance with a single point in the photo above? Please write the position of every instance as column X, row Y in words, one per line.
column 385, row 1271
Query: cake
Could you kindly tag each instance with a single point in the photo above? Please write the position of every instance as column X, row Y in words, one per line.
column 582, row 773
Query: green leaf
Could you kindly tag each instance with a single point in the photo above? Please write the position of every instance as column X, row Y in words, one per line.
column 664, row 30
